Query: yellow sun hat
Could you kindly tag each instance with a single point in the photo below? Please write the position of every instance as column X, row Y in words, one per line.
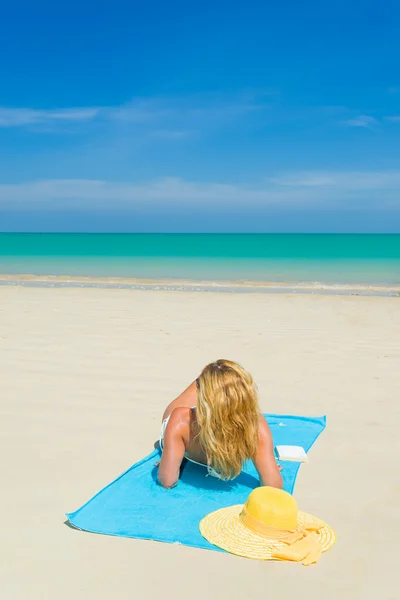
column 268, row 527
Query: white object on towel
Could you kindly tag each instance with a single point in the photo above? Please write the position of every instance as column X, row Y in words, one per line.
column 292, row 453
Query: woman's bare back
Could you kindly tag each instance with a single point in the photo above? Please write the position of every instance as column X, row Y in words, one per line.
column 182, row 440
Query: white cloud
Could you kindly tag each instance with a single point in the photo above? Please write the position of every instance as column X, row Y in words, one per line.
column 139, row 111
column 394, row 118
column 199, row 107
column 20, row 117
column 304, row 189
column 168, row 189
column 345, row 180
column 174, row 114
column 363, row 121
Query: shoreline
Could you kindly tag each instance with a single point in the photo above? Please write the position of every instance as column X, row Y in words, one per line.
column 192, row 285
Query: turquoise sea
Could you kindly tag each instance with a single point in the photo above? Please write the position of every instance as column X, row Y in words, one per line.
column 326, row 258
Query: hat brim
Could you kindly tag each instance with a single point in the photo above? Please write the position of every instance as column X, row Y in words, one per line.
column 225, row 529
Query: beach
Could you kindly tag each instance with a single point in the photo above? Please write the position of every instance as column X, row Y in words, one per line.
column 86, row 374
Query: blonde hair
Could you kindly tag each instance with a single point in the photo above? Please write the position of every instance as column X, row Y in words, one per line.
column 228, row 416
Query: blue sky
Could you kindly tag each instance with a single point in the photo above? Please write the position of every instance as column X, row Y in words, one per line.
column 213, row 116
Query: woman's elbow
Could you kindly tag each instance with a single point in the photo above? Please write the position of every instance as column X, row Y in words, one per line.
column 279, row 482
column 166, row 482
column 276, row 481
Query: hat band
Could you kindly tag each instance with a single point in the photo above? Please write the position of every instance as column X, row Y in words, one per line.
column 265, row 530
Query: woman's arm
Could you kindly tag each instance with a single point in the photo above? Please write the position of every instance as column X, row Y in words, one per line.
column 173, row 450
column 265, row 461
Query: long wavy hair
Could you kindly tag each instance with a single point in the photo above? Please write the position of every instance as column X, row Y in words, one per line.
column 228, row 416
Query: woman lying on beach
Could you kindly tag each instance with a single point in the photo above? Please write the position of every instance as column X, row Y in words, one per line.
column 216, row 422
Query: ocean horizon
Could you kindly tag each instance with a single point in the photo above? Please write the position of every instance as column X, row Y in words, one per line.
column 361, row 259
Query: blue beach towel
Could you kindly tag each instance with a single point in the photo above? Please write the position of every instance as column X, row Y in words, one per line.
column 135, row 506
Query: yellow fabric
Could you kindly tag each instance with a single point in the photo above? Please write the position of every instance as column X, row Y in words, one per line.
column 306, row 548
column 299, row 544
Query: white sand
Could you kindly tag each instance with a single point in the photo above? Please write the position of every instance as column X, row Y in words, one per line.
column 85, row 375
